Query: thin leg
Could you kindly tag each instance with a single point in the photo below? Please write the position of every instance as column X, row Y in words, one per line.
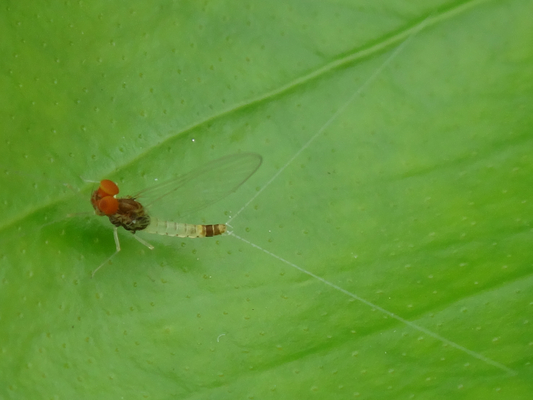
column 66, row 217
column 142, row 241
column 75, row 191
column 79, row 214
column 70, row 215
column 87, row 180
column 117, row 243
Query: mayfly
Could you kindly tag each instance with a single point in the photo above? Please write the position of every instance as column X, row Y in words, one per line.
column 183, row 195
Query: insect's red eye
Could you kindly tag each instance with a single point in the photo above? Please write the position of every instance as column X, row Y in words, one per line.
column 108, row 188
column 108, row 205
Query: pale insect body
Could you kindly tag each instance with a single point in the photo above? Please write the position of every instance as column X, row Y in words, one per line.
column 183, row 195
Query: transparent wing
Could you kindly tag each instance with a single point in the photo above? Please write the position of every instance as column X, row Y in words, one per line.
column 201, row 187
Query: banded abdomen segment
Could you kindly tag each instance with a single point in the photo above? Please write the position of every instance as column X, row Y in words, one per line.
column 169, row 228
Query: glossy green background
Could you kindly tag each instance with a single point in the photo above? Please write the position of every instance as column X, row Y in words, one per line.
column 415, row 198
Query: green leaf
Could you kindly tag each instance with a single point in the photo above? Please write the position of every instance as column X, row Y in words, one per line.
column 381, row 251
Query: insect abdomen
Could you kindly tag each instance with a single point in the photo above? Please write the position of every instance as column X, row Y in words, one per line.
column 169, row 228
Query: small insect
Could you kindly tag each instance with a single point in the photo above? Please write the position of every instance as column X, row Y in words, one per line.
column 180, row 196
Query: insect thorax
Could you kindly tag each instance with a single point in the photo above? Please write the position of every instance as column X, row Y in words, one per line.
column 131, row 215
